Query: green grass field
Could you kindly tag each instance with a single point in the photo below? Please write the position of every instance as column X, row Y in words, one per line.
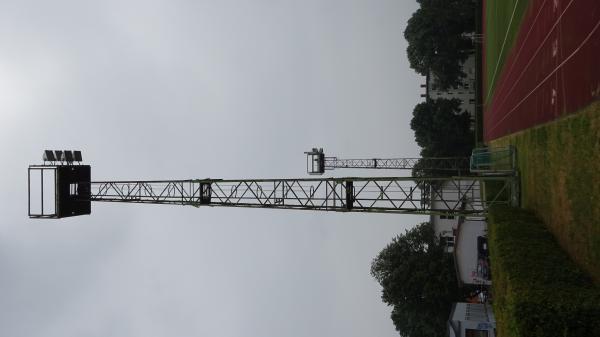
column 502, row 22
column 559, row 164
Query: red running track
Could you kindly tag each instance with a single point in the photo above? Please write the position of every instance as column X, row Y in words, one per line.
column 552, row 70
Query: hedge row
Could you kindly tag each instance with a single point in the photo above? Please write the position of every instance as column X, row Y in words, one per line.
column 538, row 290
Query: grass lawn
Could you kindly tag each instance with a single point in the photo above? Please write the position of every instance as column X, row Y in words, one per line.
column 502, row 22
column 559, row 164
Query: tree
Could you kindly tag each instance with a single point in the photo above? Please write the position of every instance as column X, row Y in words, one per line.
column 419, row 281
column 437, row 39
column 442, row 129
column 423, row 168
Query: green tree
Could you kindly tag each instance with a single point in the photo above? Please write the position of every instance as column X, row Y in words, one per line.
column 442, row 129
column 423, row 168
column 418, row 280
column 437, row 41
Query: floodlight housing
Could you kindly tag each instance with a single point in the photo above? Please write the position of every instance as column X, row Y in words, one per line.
column 60, row 156
column 49, row 155
column 66, row 194
column 68, row 156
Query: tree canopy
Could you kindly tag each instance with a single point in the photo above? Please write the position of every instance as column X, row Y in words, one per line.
column 419, row 281
column 437, row 41
column 442, row 129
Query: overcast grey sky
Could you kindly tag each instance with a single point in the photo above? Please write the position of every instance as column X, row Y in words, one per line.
column 196, row 89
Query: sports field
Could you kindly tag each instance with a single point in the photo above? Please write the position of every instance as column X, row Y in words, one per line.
column 541, row 94
column 541, row 90
column 541, row 62
column 559, row 167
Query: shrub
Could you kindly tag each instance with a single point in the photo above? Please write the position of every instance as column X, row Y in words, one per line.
column 538, row 290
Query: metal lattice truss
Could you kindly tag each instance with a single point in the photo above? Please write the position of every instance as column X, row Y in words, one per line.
column 449, row 164
column 451, row 196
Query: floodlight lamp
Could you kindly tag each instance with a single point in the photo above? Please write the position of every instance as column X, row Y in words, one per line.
column 49, row 155
column 60, row 156
column 68, row 156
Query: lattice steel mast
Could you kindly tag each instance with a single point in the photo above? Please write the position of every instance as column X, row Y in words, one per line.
column 383, row 195
column 317, row 163
column 74, row 191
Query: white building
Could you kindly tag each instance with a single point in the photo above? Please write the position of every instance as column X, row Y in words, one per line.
column 465, row 237
column 465, row 92
column 471, row 320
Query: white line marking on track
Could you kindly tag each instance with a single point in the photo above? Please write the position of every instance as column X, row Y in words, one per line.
column 533, row 57
column 548, row 76
column 501, row 50
column 509, row 71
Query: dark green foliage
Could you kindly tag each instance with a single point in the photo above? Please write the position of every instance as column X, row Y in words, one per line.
column 538, row 290
column 436, row 39
column 419, row 281
column 441, row 129
column 422, row 168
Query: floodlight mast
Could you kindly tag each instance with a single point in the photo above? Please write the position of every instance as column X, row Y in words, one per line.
column 396, row 195
column 317, row 163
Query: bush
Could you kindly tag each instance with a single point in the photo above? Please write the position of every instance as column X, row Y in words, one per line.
column 538, row 290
